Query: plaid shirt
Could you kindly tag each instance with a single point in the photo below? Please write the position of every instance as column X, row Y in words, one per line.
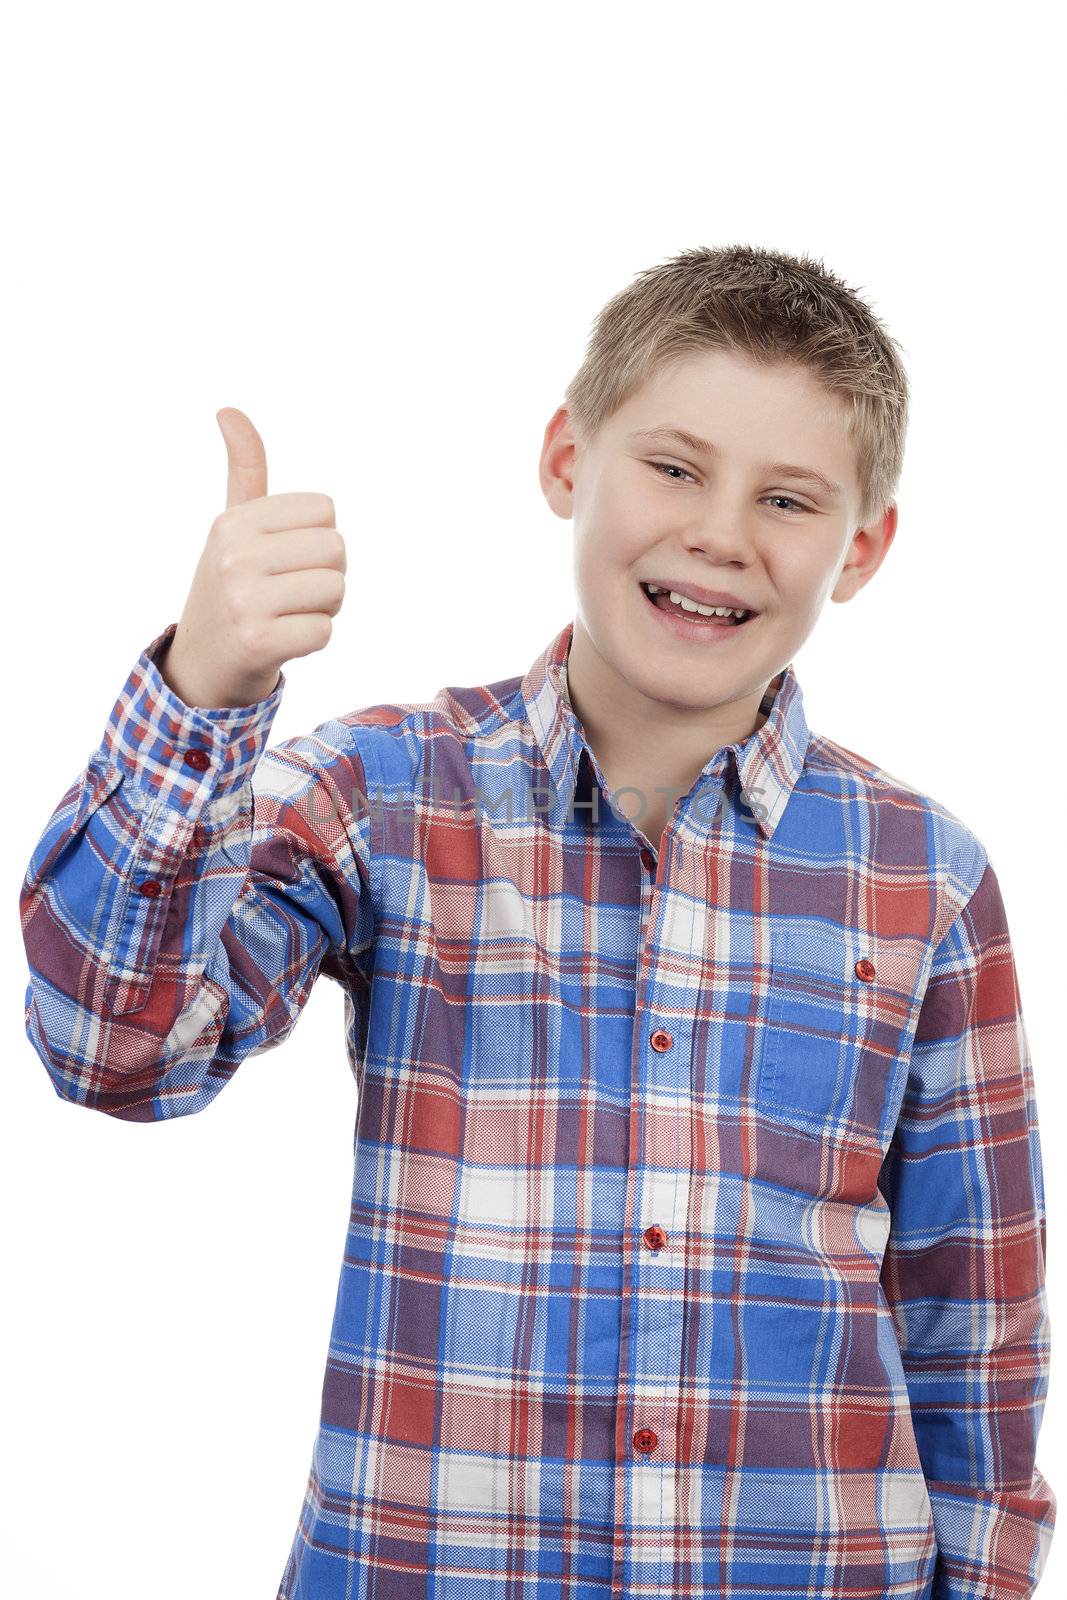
column 697, row 1238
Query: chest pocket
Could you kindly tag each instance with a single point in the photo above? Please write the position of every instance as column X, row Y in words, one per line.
column 841, row 1011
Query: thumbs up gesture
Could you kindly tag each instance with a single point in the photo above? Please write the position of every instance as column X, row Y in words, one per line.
column 269, row 581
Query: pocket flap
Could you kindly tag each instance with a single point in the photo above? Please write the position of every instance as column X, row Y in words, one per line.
column 841, row 1007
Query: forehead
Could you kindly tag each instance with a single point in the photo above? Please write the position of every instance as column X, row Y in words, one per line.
column 749, row 412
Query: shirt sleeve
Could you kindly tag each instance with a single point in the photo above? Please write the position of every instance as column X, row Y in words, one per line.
column 964, row 1266
column 185, row 894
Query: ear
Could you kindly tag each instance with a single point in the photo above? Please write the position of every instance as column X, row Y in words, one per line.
column 867, row 551
column 556, row 469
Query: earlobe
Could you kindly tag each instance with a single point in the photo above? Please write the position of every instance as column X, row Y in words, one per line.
column 556, row 488
column 850, row 581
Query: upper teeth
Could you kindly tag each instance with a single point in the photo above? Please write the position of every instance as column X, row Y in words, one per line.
column 686, row 604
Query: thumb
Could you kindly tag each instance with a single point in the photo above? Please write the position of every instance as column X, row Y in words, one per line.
column 245, row 456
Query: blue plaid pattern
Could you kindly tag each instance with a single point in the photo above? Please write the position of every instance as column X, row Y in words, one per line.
column 697, row 1235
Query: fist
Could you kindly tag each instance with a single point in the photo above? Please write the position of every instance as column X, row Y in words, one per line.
column 269, row 582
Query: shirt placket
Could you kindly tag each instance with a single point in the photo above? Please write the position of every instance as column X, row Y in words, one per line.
column 655, row 1251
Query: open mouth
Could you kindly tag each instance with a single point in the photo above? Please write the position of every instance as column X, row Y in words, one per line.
column 701, row 616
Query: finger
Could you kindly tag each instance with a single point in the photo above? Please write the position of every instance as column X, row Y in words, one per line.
column 246, row 458
column 300, row 635
column 296, row 549
column 298, row 593
column 279, row 513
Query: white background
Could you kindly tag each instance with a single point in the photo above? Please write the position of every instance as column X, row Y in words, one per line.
column 384, row 234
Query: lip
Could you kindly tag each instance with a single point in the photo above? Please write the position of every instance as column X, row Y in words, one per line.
column 709, row 634
column 703, row 597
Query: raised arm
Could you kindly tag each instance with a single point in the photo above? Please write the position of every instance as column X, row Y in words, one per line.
column 185, row 894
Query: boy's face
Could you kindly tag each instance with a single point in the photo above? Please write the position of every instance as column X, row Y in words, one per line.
column 661, row 511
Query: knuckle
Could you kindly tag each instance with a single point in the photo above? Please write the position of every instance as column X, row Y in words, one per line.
column 238, row 603
column 248, row 640
column 225, row 524
column 228, row 563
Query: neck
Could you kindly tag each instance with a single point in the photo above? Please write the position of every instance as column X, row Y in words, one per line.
column 645, row 744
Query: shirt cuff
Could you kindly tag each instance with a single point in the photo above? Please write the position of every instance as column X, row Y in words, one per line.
column 178, row 755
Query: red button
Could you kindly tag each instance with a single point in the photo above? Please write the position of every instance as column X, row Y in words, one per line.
column 648, row 860
column 661, row 1040
column 865, row 969
column 197, row 758
column 151, row 887
column 645, row 1441
column 655, row 1237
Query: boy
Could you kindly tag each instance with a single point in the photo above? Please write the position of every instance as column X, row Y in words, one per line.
column 697, row 1238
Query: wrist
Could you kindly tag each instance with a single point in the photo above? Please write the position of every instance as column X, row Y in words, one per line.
column 199, row 690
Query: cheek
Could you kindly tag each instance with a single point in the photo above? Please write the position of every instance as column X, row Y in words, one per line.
column 802, row 577
column 612, row 537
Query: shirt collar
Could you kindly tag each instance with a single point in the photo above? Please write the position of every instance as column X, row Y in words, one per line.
column 768, row 762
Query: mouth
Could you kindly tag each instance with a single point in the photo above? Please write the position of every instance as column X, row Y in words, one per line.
column 688, row 615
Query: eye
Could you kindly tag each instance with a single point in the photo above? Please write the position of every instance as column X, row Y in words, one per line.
column 666, row 468
column 669, row 466
column 789, row 501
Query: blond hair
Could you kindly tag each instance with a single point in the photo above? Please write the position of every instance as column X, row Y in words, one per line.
column 770, row 307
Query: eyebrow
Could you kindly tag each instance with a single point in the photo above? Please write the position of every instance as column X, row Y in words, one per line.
column 669, row 435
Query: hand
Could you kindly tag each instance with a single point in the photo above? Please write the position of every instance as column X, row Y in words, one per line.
column 269, row 581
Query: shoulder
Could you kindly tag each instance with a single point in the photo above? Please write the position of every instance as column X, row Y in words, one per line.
column 911, row 826
column 393, row 741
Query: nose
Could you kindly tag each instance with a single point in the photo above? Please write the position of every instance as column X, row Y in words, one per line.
column 720, row 538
